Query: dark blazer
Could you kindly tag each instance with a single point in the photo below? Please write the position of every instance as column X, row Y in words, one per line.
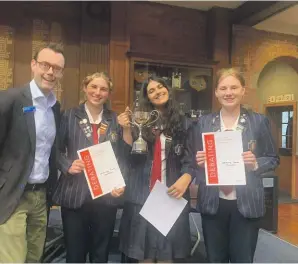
column 72, row 190
column 137, row 189
column 17, row 148
column 250, row 197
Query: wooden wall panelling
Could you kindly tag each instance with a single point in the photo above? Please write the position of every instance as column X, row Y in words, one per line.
column 219, row 40
column 71, row 78
column 62, row 22
column 43, row 32
column 119, row 63
column 52, row 10
column 22, row 51
column 167, row 30
column 95, row 37
column 7, row 36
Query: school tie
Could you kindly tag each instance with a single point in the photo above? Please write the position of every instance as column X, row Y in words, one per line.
column 156, row 166
column 228, row 188
column 95, row 135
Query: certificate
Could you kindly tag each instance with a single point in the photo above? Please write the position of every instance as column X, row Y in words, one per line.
column 102, row 171
column 224, row 162
column 161, row 209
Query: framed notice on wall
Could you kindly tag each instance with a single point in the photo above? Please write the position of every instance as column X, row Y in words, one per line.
column 6, row 57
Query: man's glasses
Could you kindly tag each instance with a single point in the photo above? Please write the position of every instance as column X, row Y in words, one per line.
column 45, row 66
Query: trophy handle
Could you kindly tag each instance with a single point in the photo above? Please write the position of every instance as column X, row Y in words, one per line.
column 130, row 113
column 157, row 116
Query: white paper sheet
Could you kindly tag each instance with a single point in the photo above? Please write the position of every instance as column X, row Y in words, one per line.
column 224, row 161
column 102, row 171
column 162, row 210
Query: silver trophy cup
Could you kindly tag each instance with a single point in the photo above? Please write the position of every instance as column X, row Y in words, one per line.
column 142, row 119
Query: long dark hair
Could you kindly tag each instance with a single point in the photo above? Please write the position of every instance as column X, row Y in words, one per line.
column 171, row 119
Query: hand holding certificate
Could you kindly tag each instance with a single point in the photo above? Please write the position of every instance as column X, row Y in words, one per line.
column 224, row 161
column 161, row 209
column 102, row 171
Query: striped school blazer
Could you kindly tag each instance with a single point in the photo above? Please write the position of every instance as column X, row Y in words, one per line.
column 250, row 197
column 72, row 190
column 138, row 181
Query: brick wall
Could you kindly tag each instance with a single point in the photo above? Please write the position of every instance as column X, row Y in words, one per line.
column 252, row 50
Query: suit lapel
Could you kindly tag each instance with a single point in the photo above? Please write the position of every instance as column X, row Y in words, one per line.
column 56, row 111
column 83, row 122
column 29, row 116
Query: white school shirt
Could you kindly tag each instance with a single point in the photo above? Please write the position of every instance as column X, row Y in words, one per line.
column 98, row 119
column 163, row 159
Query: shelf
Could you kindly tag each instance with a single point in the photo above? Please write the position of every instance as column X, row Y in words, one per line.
column 195, row 80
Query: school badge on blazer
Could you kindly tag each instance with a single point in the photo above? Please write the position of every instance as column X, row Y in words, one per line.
column 113, row 136
column 178, row 149
column 252, row 144
column 85, row 127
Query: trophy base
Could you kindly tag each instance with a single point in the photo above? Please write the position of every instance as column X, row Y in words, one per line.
column 139, row 146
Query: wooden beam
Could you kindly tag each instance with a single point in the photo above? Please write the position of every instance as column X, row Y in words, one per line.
column 252, row 12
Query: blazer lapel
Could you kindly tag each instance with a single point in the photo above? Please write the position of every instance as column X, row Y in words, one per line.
column 243, row 126
column 242, row 121
column 215, row 122
column 105, row 125
column 29, row 116
column 83, row 122
column 168, row 145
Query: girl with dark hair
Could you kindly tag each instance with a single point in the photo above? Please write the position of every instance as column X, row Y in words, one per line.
column 138, row 238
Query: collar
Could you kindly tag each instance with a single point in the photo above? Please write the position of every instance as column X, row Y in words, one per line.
column 96, row 121
column 222, row 124
column 37, row 93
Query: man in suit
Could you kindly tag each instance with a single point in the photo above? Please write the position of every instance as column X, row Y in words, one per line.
column 231, row 214
column 29, row 117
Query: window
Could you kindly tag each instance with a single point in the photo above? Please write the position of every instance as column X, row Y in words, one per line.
column 286, row 129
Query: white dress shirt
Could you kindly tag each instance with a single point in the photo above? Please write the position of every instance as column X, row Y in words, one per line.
column 45, row 127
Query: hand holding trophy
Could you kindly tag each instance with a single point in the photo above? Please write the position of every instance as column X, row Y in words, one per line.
column 141, row 118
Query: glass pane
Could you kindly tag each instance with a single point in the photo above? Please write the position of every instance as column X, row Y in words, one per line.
column 291, row 113
column 284, row 129
column 289, row 142
column 285, row 117
column 283, row 142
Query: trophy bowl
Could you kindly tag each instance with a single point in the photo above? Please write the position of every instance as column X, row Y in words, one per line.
column 142, row 119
